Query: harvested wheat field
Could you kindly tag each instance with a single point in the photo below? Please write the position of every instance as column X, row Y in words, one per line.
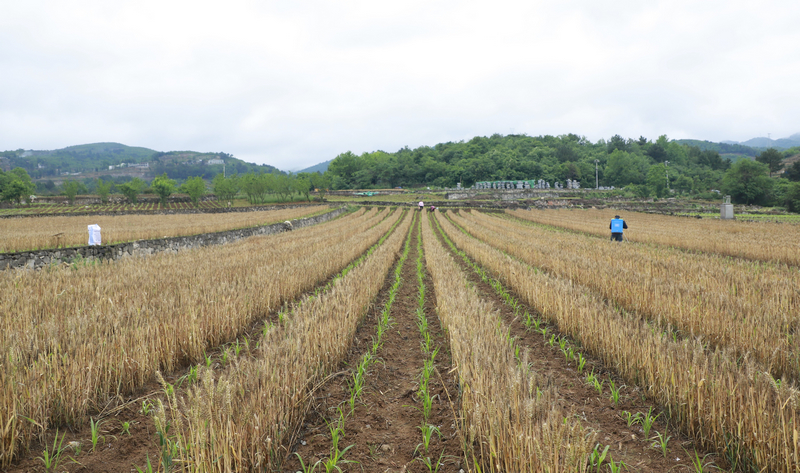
column 35, row 233
column 389, row 340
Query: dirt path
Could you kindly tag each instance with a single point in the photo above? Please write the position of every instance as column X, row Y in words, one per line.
column 385, row 429
column 594, row 407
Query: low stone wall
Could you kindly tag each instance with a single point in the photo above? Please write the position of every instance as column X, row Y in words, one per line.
column 40, row 258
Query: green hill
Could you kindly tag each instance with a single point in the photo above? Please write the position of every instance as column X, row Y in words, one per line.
column 96, row 159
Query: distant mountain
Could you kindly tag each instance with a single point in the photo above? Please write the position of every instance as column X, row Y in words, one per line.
column 320, row 168
column 723, row 148
column 763, row 142
column 105, row 160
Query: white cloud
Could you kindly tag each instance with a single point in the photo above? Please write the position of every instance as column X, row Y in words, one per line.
column 295, row 83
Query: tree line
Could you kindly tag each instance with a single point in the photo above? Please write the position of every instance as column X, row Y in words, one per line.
column 16, row 186
column 644, row 168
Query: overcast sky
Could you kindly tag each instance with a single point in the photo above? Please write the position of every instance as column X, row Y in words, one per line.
column 294, row 83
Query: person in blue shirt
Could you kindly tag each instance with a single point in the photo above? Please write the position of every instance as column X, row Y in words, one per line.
column 616, row 227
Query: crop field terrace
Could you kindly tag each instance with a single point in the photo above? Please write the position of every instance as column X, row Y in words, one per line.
column 396, row 340
column 66, row 209
column 24, row 234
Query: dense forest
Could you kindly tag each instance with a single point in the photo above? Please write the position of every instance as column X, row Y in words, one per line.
column 644, row 168
column 620, row 162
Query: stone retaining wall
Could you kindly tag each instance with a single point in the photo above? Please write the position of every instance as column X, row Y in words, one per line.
column 40, row 258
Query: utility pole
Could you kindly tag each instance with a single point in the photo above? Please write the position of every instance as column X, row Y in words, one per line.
column 596, row 182
column 666, row 166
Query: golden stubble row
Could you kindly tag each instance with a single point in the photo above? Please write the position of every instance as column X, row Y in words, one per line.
column 762, row 241
column 510, row 415
column 242, row 418
column 720, row 399
column 751, row 307
column 71, row 339
column 31, row 233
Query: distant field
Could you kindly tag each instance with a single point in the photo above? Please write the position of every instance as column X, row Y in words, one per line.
column 64, row 209
column 409, row 197
column 787, row 218
column 23, row 234
column 724, row 237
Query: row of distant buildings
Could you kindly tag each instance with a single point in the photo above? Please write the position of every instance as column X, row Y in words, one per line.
column 130, row 165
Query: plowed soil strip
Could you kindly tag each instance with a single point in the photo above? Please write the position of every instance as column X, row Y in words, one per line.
column 384, row 429
column 595, row 409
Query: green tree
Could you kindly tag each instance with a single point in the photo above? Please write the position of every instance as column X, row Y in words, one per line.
column 16, row 185
column 256, row 187
column 195, row 187
column 683, row 183
column 131, row 189
column 657, row 180
column 321, row 183
column 283, row 186
column 103, row 189
column 792, row 199
column 772, row 158
column 624, row 168
column 793, row 172
column 163, row 186
column 748, row 182
column 302, row 184
column 71, row 189
column 225, row 188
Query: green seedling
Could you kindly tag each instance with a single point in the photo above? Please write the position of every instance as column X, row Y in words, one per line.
column 699, row 464
column 631, row 418
column 581, row 361
column 147, row 406
column 303, row 467
column 595, row 382
column 336, row 458
column 126, row 428
column 427, row 435
column 616, row 467
column 661, row 442
column 552, row 341
column 148, row 467
column 596, row 458
column 96, row 437
column 614, row 391
column 433, row 466
column 647, row 422
column 51, row 458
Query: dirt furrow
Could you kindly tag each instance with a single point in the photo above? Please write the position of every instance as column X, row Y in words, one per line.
column 384, row 428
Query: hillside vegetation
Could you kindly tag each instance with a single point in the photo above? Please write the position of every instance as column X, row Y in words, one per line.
column 93, row 160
